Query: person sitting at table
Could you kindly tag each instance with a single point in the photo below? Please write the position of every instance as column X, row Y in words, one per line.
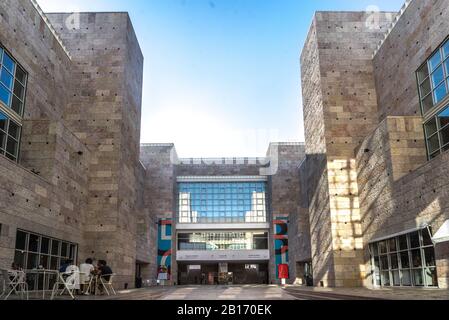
column 104, row 270
column 86, row 269
column 65, row 265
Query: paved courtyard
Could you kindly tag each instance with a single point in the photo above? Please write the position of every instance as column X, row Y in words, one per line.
column 259, row 292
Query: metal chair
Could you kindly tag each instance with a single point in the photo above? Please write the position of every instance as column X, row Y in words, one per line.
column 69, row 280
column 15, row 282
column 108, row 283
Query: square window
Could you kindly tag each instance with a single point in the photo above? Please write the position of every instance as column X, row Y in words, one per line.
column 427, row 239
column 17, row 105
column 443, row 118
column 8, row 63
column 431, row 127
column 21, row 240
column 406, row 278
column 394, row 261
column 19, row 90
column 384, row 262
column 423, row 73
column 444, row 134
column 427, row 103
column 3, row 122
column 440, row 93
column 14, row 130
column 431, row 277
column 446, row 50
column 12, row 146
column 414, row 240
column 434, row 61
column 437, row 77
column 433, row 144
column 418, row 277
column 446, row 66
column 21, row 75
column 416, row 258
column 2, row 141
column 429, row 254
column 5, row 95
column 425, row 88
column 392, row 245
column 405, row 262
column 6, row 78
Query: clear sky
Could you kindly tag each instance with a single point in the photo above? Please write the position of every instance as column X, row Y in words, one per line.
column 222, row 77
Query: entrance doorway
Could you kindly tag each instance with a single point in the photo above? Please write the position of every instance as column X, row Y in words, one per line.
column 218, row 274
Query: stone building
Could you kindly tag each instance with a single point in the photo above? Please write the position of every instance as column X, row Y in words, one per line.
column 377, row 191
column 226, row 216
column 75, row 182
column 70, row 176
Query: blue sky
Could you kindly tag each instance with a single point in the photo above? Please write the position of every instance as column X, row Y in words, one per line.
column 222, row 77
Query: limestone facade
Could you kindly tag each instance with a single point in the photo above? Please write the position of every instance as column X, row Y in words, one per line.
column 367, row 168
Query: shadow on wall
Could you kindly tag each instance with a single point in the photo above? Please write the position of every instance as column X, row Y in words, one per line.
column 414, row 200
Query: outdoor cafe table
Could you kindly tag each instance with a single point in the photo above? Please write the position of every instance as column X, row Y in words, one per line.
column 44, row 276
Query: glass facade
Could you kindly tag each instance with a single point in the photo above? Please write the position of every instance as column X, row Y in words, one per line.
column 433, row 79
column 240, row 202
column 214, row 241
column 9, row 137
column 13, row 81
column 405, row 261
column 36, row 251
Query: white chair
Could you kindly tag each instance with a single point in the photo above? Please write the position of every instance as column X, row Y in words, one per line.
column 15, row 282
column 68, row 280
column 108, row 284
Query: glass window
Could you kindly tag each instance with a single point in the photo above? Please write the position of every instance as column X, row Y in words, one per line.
column 433, row 77
column 431, row 127
column 13, row 81
column 242, row 202
column 412, row 265
column 405, row 260
column 8, row 62
column 437, row 143
column 32, row 251
column 423, row 73
column 406, row 278
column 392, row 245
column 437, row 76
column 430, row 256
column 215, row 241
column 431, row 277
column 21, row 240
column 446, row 50
column 439, row 93
column 435, row 60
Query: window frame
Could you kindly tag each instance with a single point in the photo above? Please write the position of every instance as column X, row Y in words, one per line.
column 7, row 109
column 442, row 148
column 378, row 275
column 433, row 87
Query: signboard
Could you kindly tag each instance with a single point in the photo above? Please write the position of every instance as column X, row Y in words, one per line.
column 226, row 255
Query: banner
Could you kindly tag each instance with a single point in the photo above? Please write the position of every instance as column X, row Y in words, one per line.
column 164, row 249
column 280, row 243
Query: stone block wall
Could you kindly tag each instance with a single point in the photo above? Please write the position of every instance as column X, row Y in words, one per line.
column 340, row 106
column 51, row 199
column 419, row 31
column 104, row 113
column 284, row 189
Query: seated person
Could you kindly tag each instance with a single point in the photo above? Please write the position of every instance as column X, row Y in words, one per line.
column 65, row 265
column 86, row 270
column 104, row 270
